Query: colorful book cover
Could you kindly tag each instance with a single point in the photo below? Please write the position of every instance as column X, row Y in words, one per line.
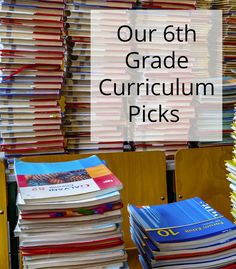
column 191, row 219
column 62, row 179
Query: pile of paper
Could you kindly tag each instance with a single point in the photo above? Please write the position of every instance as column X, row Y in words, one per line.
column 31, row 76
column 70, row 215
column 186, row 234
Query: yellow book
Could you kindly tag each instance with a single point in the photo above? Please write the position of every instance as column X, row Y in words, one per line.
column 4, row 262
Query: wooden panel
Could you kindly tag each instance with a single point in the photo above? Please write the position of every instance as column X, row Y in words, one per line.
column 142, row 173
column 21, row 261
column 201, row 172
column 4, row 260
column 133, row 259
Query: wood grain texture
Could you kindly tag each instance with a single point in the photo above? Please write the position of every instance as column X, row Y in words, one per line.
column 201, row 172
column 133, row 259
column 143, row 175
column 4, row 260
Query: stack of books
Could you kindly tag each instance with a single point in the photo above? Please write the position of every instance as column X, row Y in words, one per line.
column 229, row 95
column 70, row 215
column 231, row 176
column 229, row 66
column 204, row 4
column 77, row 83
column 169, row 4
column 228, row 9
column 170, row 148
column 186, row 234
column 229, row 41
column 31, row 76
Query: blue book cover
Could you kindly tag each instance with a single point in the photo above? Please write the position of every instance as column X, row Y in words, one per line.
column 186, row 220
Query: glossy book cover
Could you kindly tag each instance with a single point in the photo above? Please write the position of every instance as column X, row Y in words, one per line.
column 191, row 219
column 63, row 179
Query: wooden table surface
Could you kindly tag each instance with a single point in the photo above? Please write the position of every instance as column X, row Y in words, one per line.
column 133, row 259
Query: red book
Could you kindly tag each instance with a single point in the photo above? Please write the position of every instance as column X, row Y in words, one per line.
column 75, row 247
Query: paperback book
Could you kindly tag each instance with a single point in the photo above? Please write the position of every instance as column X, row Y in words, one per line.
column 185, row 234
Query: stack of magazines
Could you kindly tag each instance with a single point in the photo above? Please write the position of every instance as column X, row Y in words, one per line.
column 70, row 215
column 31, row 77
column 186, row 234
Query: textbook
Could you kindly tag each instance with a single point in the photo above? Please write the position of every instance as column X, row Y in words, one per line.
column 56, row 231
column 184, row 216
column 73, row 179
column 184, row 234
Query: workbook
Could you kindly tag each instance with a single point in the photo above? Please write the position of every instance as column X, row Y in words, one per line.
column 184, row 234
column 73, row 180
column 186, row 220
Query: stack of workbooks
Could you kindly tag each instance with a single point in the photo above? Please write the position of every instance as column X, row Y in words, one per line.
column 228, row 9
column 170, row 148
column 31, row 76
column 186, row 234
column 77, row 83
column 229, row 22
column 229, row 41
column 229, row 95
column 204, row 4
column 169, row 4
column 70, row 215
column 231, row 176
